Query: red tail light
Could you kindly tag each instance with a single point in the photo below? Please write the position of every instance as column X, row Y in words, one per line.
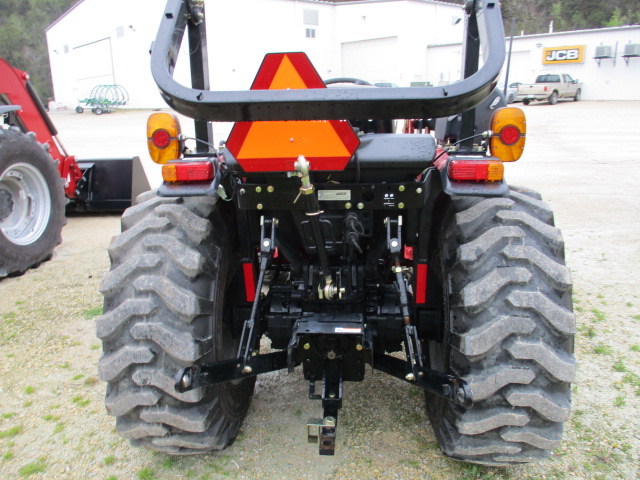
column 187, row 172
column 161, row 138
column 476, row 170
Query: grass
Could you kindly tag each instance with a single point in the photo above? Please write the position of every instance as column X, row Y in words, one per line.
column 59, row 428
column 7, row 415
column 603, row 349
column 620, row 401
column 33, row 468
column 80, row 401
column 77, row 377
column 110, row 460
column 50, row 418
column 29, row 390
column 91, row 381
column 598, row 314
column 619, row 366
column 588, row 331
column 635, row 348
column 92, row 313
column 146, row 474
column 12, row 432
column 8, row 456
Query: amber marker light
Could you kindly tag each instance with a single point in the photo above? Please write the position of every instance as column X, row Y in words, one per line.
column 509, row 127
column 163, row 137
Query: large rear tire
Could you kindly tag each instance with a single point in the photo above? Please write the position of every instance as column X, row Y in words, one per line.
column 509, row 330
column 167, row 305
column 31, row 203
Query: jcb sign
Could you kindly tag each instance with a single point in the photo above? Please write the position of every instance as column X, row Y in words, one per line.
column 573, row 54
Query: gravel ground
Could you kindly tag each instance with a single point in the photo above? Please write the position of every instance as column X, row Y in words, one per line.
column 583, row 157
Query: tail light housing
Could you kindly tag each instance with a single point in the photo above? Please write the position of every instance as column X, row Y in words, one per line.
column 476, row 170
column 163, row 137
column 509, row 129
column 187, row 171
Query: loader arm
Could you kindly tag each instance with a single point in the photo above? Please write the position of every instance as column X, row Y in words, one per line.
column 31, row 116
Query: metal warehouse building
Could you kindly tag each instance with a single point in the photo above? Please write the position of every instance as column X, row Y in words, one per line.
column 398, row 41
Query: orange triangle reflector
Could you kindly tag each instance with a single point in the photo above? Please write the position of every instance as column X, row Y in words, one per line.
column 276, row 145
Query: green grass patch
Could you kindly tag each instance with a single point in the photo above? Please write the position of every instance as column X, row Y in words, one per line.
column 620, row 401
column 619, row 366
column 632, row 379
column 146, row 474
column 8, row 456
column 635, row 348
column 168, row 462
column 65, row 365
column 80, row 401
column 12, row 432
column 27, row 404
column 50, row 418
column 33, row 468
column 110, row 460
column 77, row 377
column 29, row 390
column 598, row 314
column 8, row 415
column 59, row 428
column 603, row 349
column 92, row 313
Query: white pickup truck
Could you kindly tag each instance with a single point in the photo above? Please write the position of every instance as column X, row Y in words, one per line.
column 550, row 87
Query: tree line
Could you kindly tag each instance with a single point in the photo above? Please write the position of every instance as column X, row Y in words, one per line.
column 23, row 24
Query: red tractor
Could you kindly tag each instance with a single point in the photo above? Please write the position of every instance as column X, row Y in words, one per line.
column 38, row 178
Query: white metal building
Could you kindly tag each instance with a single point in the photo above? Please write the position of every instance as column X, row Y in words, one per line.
column 399, row 41
column 606, row 61
column 98, row 42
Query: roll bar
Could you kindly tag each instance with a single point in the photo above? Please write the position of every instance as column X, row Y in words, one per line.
column 198, row 102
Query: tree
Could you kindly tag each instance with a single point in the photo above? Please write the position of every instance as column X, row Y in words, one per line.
column 23, row 41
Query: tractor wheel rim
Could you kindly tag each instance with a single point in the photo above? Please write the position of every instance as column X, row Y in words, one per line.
column 29, row 204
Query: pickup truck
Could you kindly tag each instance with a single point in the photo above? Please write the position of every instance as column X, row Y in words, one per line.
column 550, row 87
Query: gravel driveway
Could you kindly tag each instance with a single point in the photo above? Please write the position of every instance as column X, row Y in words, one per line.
column 583, row 157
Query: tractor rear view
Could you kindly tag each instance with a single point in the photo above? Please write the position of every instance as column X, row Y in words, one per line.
column 347, row 246
column 39, row 180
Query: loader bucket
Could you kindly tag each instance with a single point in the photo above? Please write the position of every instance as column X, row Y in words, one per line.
column 109, row 184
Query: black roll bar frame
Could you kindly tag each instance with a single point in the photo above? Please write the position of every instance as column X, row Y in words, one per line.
column 201, row 104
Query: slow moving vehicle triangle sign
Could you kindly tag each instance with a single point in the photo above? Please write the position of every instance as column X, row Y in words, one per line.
column 270, row 146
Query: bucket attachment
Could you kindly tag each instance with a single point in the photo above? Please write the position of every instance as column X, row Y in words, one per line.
column 109, row 184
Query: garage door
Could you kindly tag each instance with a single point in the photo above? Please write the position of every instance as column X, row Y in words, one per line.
column 372, row 60
column 93, row 65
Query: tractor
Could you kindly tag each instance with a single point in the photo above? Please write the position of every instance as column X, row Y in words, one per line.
column 317, row 240
column 40, row 181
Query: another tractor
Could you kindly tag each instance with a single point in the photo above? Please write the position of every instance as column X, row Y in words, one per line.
column 39, row 179
column 345, row 247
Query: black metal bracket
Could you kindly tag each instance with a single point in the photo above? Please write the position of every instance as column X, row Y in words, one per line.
column 226, row 370
column 247, row 363
column 452, row 387
column 326, row 103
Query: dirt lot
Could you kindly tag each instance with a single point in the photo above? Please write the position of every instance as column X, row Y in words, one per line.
column 583, row 157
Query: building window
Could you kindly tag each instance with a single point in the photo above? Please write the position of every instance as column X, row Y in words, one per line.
column 310, row 32
column 310, row 17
